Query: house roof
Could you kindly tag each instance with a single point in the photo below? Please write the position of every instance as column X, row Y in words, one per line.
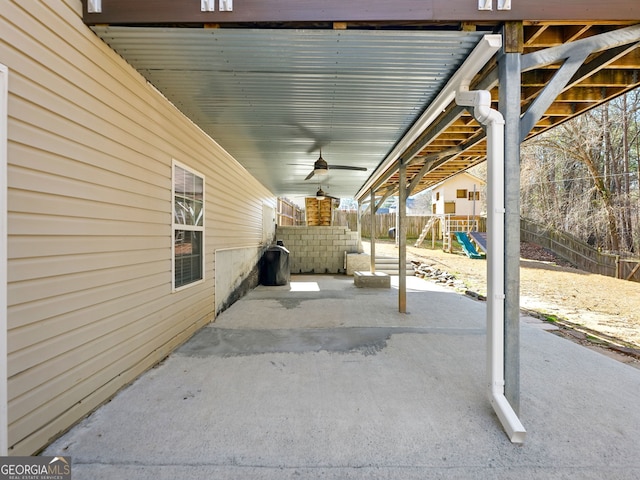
column 471, row 177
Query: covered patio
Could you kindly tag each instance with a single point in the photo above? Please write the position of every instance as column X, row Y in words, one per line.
column 414, row 94
column 110, row 108
column 320, row 379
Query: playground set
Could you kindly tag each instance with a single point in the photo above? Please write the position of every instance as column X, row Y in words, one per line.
column 463, row 229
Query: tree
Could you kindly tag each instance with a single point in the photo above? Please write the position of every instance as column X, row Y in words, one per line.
column 583, row 176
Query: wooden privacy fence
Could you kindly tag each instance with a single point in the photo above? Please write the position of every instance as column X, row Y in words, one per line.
column 580, row 253
column 386, row 221
column 629, row 269
column 289, row 213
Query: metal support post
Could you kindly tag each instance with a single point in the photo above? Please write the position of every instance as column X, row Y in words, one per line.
column 401, row 236
column 509, row 105
column 359, row 225
column 373, row 231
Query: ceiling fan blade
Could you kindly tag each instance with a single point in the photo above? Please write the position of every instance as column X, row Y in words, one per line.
column 309, row 176
column 346, row 167
column 319, row 140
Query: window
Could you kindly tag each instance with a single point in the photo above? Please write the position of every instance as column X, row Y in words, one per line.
column 449, row 208
column 461, row 194
column 188, row 226
column 471, row 195
column 437, row 196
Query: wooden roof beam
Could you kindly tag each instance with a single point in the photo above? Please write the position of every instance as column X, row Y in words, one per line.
column 572, row 33
column 532, row 33
column 630, row 60
column 129, row 12
column 603, row 78
column 578, row 94
column 597, row 43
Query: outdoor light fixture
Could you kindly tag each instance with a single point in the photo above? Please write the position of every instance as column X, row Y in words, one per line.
column 94, row 6
column 207, row 5
column 320, row 167
column 488, row 5
column 210, row 5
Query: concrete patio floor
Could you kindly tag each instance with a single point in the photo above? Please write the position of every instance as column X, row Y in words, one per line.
column 320, row 379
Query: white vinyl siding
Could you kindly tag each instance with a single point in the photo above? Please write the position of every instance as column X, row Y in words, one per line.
column 455, row 195
column 90, row 149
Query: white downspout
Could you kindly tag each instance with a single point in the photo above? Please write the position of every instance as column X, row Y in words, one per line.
column 480, row 100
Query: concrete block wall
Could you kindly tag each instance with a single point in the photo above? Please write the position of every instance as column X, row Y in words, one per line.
column 318, row 249
column 358, row 262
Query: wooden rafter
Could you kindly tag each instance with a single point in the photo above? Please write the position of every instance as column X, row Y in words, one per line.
column 604, row 76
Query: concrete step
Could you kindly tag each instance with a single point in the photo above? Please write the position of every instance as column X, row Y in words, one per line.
column 389, row 265
column 371, row 280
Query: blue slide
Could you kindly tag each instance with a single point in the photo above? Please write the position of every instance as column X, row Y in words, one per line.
column 481, row 240
column 467, row 246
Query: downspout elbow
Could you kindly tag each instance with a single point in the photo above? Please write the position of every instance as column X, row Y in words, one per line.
column 482, row 110
column 488, row 116
column 480, row 100
column 507, row 416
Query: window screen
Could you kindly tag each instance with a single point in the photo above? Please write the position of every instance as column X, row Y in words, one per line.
column 188, row 226
column 476, row 194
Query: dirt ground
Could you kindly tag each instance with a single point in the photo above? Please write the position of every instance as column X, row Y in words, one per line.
column 551, row 289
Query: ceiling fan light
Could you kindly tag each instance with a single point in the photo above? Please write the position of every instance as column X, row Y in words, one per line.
column 321, row 171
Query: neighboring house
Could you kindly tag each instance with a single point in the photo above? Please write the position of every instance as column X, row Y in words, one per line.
column 419, row 205
column 460, row 195
column 128, row 227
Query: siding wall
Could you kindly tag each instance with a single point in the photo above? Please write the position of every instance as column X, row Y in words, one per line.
column 464, row 206
column 90, row 146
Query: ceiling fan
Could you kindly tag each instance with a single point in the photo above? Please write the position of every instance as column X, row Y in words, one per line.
column 321, row 195
column 321, row 167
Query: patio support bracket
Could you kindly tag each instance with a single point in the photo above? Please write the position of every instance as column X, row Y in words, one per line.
column 573, row 56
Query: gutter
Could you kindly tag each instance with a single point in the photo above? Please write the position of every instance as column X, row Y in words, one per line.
column 481, row 54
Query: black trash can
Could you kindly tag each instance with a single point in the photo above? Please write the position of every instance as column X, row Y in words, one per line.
column 392, row 232
column 275, row 266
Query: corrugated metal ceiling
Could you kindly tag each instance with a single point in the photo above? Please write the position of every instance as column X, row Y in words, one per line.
column 273, row 97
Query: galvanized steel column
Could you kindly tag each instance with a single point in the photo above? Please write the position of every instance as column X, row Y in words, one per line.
column 373, row 231
column 509, row 105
